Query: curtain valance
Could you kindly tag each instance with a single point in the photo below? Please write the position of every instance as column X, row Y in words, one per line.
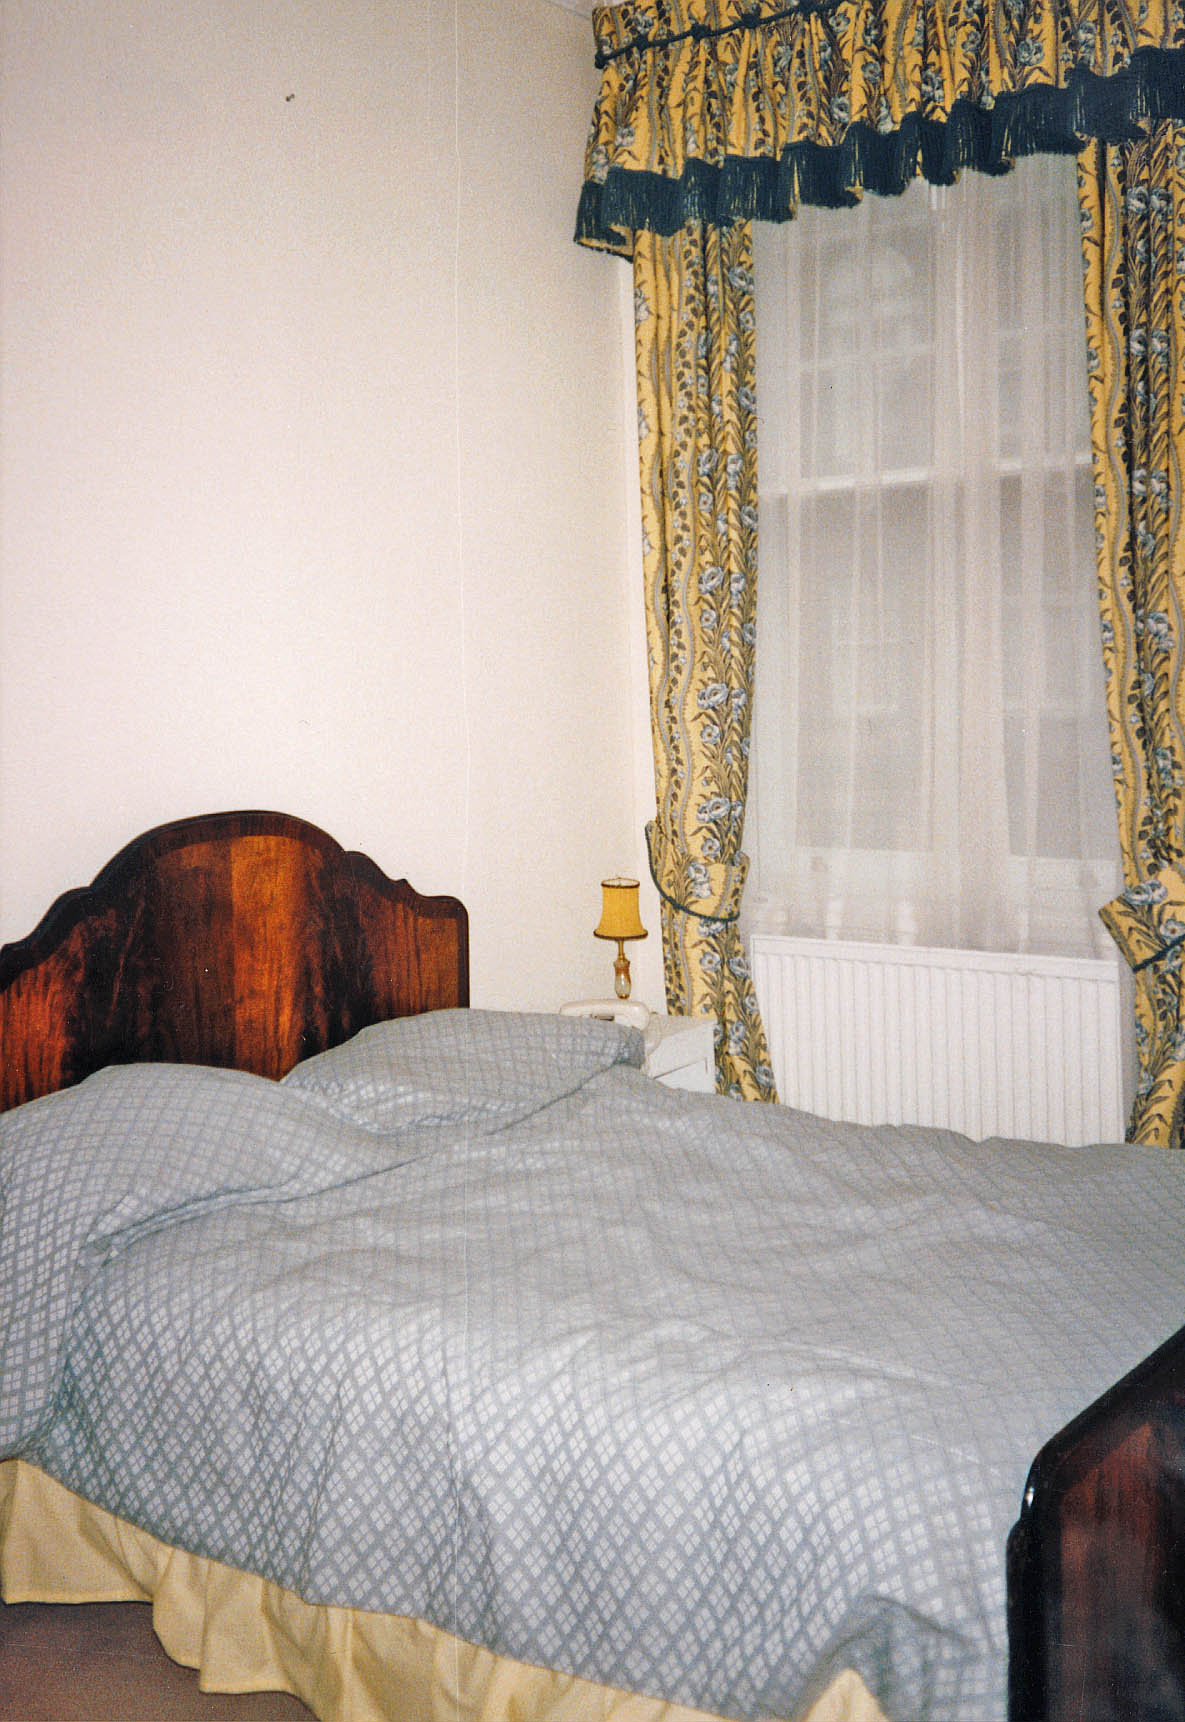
column 723, row 111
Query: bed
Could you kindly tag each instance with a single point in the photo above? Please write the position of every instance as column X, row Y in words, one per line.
column 251, row 946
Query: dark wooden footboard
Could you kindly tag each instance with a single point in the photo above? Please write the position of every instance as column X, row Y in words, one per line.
column 1096, row 1561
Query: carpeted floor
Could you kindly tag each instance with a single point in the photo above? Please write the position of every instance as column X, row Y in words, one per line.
column 101, row 1662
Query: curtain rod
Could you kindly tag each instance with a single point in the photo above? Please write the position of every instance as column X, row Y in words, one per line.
column 644, row 43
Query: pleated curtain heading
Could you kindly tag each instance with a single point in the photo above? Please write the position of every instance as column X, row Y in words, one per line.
column 711, row 110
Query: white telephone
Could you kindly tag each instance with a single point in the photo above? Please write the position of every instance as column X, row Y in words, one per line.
column 629, row 1012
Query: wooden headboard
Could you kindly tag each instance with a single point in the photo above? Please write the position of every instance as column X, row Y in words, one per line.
column 249, row 940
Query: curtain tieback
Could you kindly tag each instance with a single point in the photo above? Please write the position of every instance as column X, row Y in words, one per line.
column 708, row 890
column 1147, row 921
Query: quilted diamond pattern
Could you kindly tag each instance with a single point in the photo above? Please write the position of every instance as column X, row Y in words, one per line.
column 694, row 1398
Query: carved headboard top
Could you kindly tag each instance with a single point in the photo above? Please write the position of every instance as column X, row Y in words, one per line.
column 247, row 939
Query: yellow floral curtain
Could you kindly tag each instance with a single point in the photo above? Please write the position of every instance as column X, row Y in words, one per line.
column 697, row 444
column 723, row 110
column 712, row 113
column 1132, row 198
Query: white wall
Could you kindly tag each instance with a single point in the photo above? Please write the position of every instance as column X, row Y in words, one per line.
column 312, row 473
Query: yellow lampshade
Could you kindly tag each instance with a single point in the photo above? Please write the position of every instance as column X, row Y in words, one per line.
column 620, row 920
column 620, row 915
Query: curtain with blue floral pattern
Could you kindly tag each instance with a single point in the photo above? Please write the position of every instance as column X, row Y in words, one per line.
column 729, row 110
column 1132, row 199
column 712, row 113
column 697, row 443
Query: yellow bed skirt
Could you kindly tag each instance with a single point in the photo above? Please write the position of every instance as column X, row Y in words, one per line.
column 245, row 1634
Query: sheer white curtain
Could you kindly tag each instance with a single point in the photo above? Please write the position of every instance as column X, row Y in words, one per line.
column 930, row 753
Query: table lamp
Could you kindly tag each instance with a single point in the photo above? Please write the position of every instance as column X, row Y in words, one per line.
column 620, row 920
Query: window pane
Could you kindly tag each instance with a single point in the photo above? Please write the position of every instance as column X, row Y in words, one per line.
column 936, row 592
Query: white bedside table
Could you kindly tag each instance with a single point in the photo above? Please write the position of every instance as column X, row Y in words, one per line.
column 679, row 1052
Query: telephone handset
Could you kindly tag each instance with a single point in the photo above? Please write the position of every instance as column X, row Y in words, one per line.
column 629, row 1012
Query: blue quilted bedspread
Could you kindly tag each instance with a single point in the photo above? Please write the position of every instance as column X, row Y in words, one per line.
column 472, row 1321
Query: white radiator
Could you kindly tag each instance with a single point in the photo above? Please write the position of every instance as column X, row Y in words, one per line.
column 983, row 1043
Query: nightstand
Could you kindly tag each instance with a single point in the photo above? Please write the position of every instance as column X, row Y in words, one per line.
column 680, row 1054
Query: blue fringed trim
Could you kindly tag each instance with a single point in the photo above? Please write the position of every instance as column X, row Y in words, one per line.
column 1041, row 120
column 591, row 230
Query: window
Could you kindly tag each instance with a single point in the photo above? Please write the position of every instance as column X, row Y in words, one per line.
column 930, row 753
